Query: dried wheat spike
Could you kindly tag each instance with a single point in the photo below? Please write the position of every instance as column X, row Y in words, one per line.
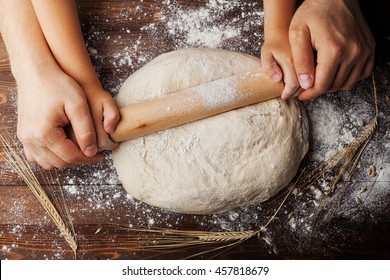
column 227, row 236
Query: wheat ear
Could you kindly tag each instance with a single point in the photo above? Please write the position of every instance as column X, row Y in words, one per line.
column 24, row 171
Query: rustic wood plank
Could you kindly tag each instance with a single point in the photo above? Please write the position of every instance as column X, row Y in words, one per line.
column 96, row 199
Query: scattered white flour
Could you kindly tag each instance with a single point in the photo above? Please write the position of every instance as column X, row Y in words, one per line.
column 212, row 26
column 222, row 94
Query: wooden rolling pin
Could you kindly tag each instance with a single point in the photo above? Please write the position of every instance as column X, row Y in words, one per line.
column 194, row 103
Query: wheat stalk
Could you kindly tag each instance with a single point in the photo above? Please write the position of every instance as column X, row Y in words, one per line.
column 350, row 154
column 22, row 168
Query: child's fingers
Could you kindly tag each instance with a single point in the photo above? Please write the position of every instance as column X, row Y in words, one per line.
column 270, row 66
column 291, row 87
column 290, row 79
column 103, row 138
column 111, row 116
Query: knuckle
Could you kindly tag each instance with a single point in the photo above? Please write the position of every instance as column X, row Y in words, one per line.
column 356, row 50
column 79, row 106
column 71, row 158
column 30, row 159
column 112, row 118
column 41, row 136
column 335, row 51
column 295, row 33
column 23, row 137
column 47, row 167
column 293, row 86
column 87, row 137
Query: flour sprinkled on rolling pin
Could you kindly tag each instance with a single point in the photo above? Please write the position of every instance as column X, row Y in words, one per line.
column 218, row 94
column 192, row 104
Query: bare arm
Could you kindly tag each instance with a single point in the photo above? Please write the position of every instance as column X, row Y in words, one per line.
column 60, row 24
column 48, row 99
column 276, row 52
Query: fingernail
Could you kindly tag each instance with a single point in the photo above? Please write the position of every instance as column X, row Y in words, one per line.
column 109, row 129
column 284, row 96
column 277, row 77
column 91, row 150
column 305, row 81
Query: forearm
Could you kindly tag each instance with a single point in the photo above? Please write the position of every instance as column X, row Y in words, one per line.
column 25, row 42
column 277, row 16
column 60, row 24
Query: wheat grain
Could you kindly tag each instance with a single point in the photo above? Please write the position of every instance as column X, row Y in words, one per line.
column 21, row 167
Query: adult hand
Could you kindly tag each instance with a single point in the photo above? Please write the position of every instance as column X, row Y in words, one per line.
column 48, row 102
column 338, row 32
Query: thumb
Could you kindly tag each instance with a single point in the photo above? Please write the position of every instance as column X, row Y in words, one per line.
column 82, row 124
column 303, row 56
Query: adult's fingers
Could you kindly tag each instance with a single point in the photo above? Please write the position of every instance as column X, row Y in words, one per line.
column 83, row 127
column 369, row 66
column 70, row 153
column 303, row 56
column 51, row 158
column 41, row 161
column 28, row 154
column 326, row 69
column 344, row 72
column 352, row 67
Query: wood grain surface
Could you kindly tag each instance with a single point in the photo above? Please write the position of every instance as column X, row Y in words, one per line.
column 306, row 228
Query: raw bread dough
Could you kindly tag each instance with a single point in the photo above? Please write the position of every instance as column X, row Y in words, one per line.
column 238, row 158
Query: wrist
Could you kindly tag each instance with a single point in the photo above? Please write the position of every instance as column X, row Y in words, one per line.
column 91, row 86
column 33, row 66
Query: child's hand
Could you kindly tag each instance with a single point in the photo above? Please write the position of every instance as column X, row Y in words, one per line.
column 277, row 63
column 105, row 115
column 47, row 103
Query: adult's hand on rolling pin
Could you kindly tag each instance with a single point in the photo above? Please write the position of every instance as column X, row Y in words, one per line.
column 48, row 102
column 338, row 32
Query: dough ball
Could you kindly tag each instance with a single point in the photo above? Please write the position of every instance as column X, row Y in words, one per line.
column 234, row 159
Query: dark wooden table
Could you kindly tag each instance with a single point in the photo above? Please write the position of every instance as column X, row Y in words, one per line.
column 124, row 35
